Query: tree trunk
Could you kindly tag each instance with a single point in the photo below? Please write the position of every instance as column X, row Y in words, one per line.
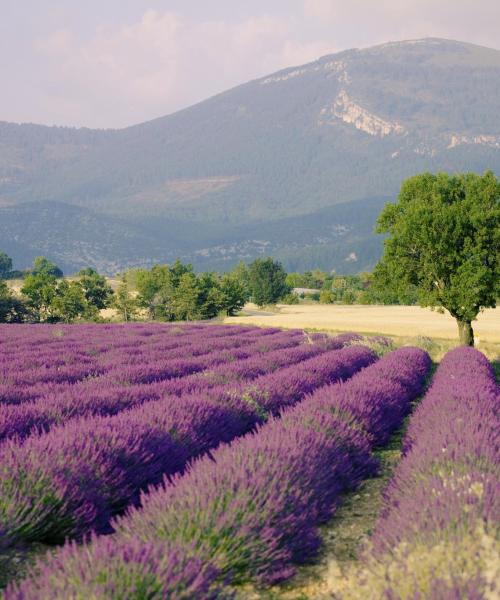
column 465, row 333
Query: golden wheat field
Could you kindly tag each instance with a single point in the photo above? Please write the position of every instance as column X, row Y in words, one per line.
column 400, row 321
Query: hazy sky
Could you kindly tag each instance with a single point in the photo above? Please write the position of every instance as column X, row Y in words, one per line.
column 112, row 63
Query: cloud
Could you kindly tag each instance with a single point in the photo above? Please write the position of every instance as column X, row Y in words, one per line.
column 136, row 66
column 367, row 21
column 161, row 63
column 320, row 8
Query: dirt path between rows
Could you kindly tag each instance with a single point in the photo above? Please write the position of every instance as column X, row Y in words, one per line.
column 342, row 538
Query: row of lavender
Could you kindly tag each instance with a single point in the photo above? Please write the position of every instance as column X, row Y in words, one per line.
column 105, row 396
column 249, row 511
column 228, row 357
column 54, row 361
column 438, row 534
column 73, row 478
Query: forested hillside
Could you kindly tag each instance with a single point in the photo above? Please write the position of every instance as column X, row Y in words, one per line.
column 297, row 164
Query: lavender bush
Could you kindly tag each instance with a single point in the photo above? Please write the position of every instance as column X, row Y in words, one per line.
column 107, row 395
column 135, row 570
column 252, row 508
column 70, row 480
column 437, row 534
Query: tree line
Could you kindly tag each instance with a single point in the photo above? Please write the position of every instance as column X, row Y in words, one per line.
column 46, row 296
column 174, row 292
column 331, row 288
column 163, row 293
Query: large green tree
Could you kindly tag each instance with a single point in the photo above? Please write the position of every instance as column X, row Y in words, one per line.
column 267, row 281
column 444, row 242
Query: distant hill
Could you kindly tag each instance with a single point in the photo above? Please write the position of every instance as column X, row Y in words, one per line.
column 297, row 164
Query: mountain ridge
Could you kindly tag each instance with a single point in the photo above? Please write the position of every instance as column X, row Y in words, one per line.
column 343, row 129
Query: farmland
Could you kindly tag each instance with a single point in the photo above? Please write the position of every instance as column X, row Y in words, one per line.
column 398, row 321
column 204, row 461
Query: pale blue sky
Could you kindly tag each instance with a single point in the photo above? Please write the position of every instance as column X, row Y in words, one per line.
column 112, row 63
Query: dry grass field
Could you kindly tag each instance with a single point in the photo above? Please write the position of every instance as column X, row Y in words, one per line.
column 405, row 323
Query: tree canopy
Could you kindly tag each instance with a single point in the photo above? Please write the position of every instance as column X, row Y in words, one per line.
column 42, row 265
column 267, row 281
column 40, row 289
column 53, row 299
column 124, row 302
column 444, row 242
column 69, row 302
column 96, row 289
column 174, row 292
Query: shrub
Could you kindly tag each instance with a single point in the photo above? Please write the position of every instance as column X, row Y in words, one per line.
column 327, row 297
column 290, row 298
column 111, row 571
column 436, row 535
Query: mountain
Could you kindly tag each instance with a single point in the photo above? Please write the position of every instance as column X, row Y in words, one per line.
column 297, row 164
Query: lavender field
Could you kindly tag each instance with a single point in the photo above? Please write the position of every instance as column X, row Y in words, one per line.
column 192, row 461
